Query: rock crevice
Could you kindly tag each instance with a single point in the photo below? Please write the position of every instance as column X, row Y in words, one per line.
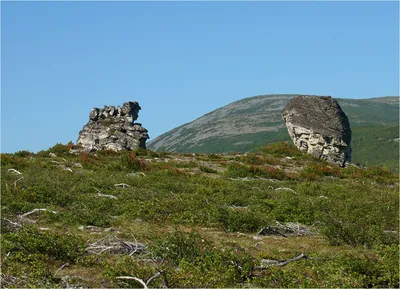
column 113, row 128
column 318, row 126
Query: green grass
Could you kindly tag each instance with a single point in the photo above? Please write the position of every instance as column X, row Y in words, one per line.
column 198, row 215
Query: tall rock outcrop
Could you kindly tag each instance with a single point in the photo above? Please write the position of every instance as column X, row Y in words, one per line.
column 318, row 126
column 113, row 128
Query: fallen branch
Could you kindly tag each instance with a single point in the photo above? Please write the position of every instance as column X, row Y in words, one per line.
column 145, row 284
column 115, row 245
column 133, row 278
column 106, row 196
column 34, row 211
column 14, row 225
column 281, row 263
column 61, row 165
column 61, row 267
column 9, row 280
column 14, row 171
column 238, row 207
column 100, row 194
column 15, row 183
column 254, row 179
column 136, row 174
column 122, row 185
column 269, row 230
column 66, row 169
column 285, row 229
column 284, row 189
column 158, row 274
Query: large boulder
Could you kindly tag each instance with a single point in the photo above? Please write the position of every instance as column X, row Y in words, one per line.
column 318, row 126
column 113, row 129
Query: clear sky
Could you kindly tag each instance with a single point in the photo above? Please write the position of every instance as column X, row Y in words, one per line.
column 181, row 60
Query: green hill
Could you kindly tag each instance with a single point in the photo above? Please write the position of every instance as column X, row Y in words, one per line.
column 247, row 124
column 270, row 219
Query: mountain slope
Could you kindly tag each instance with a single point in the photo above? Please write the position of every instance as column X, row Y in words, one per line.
column 246, row 124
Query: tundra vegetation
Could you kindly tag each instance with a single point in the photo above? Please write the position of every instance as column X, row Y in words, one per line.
column 272, row 218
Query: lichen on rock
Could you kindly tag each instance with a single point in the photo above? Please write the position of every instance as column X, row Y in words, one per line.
column 113, row 128
column 318, row 126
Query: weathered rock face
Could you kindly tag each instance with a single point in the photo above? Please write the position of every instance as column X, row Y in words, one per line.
column 318, row 126
column 113, row 129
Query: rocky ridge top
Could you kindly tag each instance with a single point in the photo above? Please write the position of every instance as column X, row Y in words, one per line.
column 113, row 128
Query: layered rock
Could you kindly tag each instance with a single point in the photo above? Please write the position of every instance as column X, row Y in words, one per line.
column 113, row 128
column 318, row 126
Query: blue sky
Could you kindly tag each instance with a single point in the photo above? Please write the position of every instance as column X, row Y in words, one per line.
column 180, row 60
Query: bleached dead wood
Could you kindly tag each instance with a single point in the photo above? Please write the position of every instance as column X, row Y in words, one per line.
column 77, row 165
column 285, row 189
column 122, row 185
column 238, row 207
column 60, row 268
column 14, row 171
column 13, row 225
column 66, row 169
column 270, row 231
column 145, row 284
column 114, row 245
column 280, row 263
column 63, row 167
column 254, row 179
column 100, row 194
column 9, row 280
column 136, row 174
column 158, row 274
column 15, row 183
column 106, row 196
column 34, row 211
column 133, row 278
column 289, row 228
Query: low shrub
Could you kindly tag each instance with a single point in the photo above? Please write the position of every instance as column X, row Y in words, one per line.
column 357, row 220
column 233, row 220
column 314, row 171
column 59, row 149
column 236, row 170
column 208, row 170
column 179, row 245
column 252, row 159
column 14, row 161
column 201, row 263
column 29, row 241
column 24, row 154
column 281, row 149
column 132, row 162
column 267, row 172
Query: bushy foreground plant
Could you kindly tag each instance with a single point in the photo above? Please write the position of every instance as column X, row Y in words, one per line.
column 201, row 263
column 237, row 170
column 364, row 217
column 282, row 149
column 29, row 241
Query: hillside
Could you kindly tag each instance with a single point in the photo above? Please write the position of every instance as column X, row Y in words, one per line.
column 247, row 124
column 270, row 219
